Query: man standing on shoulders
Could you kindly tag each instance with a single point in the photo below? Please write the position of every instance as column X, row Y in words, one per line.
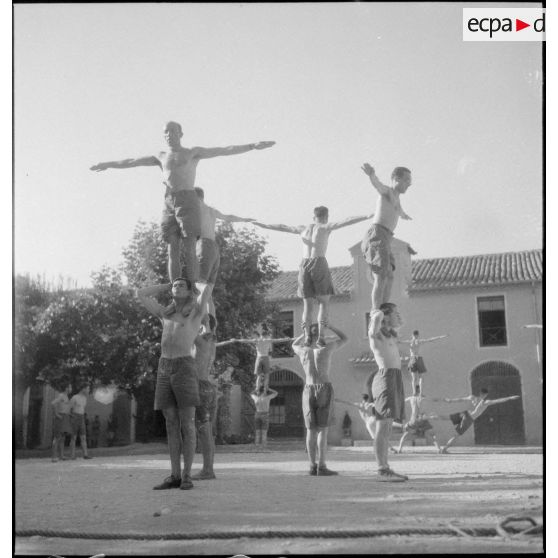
column 376, row 245
column 317, row 396
column 181, row 215
column 176, row 391
column 386, row 387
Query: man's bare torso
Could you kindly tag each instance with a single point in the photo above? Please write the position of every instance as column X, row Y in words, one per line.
column 179, row 333
column 315, row 238
column 263, row 346
column 480, row 406
column 316, row 364
column 204, row 354
column 179, row 169
column 387, row 210
column 261, row 402
column 386, row 351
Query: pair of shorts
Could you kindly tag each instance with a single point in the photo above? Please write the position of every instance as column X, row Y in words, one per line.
column 314, row 278
column 462, row 421
column 78, row 425
column 418, row 428
column 388, row 394
column 62, row 425
column 263, row 365
column 177, row 383
column 376, row 249
column 261, row 420
column 181, row 214
column 416, row 364
column 209, row 259
column 205, row 411
column 317, row 405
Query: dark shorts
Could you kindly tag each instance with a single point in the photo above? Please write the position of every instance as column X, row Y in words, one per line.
column 462, row 421
column 177, row 383
column 78, row 425
column 209, row 258
column 263, row 365
column 181, row 214
column 205, row 411
column 418, row 428
column 314, row 278
column 261, row 420
column 416, row 364
column 388, row 394
column 376, row 249
column 61, row 425
column 317, row 405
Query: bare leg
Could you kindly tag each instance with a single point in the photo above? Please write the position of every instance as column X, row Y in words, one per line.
column 311, row 439
column 55, row 448
column 378, row 286
column 432, row 436
column 371, row 427
column 73, row 447
column 191, row 263
column 174, row 257
column 381, row 442
column 323, row 314
column 207, row 447
column 388, row 283
column 322, row 446
column 172, row 423
column 403, row 438
column 444, row 449
column 258, row 438
column 264, row 437
column 202, row 286
column 307, row 318
column 188, row 432
column 83, row 443
column 414, row 380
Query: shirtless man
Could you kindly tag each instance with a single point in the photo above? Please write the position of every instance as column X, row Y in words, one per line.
column 314, row 277
column 416, row 363
column 463, row 420
column 181, row 215
column 264, row 345
column 385, row 387
column 376, row 245
column 317, row 397
column 204, row 350
column 61, row 408
column 176, row 391
column 418, row 425
column 77, row 419
column 207, row 249
column 262, row 397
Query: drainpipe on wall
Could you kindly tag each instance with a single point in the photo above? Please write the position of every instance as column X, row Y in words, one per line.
column 537, row 331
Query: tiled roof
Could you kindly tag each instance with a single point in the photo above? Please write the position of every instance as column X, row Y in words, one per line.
column 477, row 271
column 285, row 286
column 438, row 273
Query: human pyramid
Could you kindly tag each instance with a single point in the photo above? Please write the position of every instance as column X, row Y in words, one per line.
column 184, row 392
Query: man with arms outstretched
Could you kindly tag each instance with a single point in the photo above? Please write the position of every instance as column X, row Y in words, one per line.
column 385, row 387
column 181, row 215
column 463, row 420
column 317, row 396
column 376, row 245
column 314, row 277
column 176, row 391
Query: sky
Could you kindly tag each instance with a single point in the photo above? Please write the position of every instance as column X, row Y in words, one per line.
column 335, row 85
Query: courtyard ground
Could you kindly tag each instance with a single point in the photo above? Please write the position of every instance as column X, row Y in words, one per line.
column 271, row 494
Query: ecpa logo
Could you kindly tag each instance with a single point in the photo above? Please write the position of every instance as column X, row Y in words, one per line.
column 503, row 24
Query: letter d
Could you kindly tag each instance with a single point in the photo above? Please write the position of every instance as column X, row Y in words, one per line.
column 536, row 24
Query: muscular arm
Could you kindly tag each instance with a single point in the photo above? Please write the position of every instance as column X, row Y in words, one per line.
column 281, row 228
column 149, row 161
column 501, row 400
column 209, row 152
column 272, row 393
column 381, row 188
column 357, row 405
column 348, row 221
column 222, row 343
column 429, row 340
column 232, row 218
column 146, row 297
column 343, row 339
column 456, row 399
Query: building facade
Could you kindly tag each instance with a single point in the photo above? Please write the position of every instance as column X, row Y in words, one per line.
column 481, row 302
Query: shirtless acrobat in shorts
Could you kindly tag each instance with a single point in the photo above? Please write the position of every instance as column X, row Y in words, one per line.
column 181, row 215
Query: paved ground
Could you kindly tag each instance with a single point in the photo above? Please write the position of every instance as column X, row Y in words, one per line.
column 111, row 494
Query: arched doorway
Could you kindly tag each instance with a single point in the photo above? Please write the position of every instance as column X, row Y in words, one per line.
column 502, row 423
column 285, row 411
